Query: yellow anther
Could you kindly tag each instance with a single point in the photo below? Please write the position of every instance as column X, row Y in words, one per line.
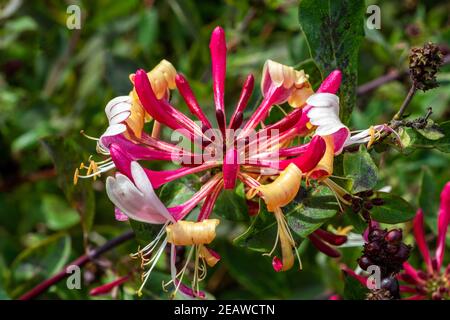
column 89, row 170
column 372, row 136
column 75, row 177
column 343, row 231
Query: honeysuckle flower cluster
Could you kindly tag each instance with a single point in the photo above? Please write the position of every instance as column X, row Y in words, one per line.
column 434, row 281
column 416, row 284
column 262, row 156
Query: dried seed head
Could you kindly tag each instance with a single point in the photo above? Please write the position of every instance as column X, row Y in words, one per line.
column 380, row 294
column 424, row 63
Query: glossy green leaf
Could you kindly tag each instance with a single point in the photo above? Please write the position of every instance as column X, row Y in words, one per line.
column 231, row 204
column 248, row 267
column 431, row 131
column 58, row 214
column 179, row 191
column 436, row 137
column 334, row 31
column 444, row 143
column 307, row 212
column 353, row 289
column 360, row 168
column 144, row 232
column 394, row 209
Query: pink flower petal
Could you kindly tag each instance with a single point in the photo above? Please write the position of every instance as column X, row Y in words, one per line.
column 184, row 289
column 209, row 203
column 158, row 178
column 106, row 288
column 161, row 110
column 331, row 83
column 331, row 238
column 443, row 221
column 189, row 97
column 323, row 247
column 287, row 122
column 218, row 50
column 230, row 168
column 339, row 138
column 407, row 289
column 419, row 234
column 119, row 215
column 308, row 160
column 277, row 264
column 180, row 211
column 274, row 95
column 353, row 274
column 416, row 297
column 246, row 93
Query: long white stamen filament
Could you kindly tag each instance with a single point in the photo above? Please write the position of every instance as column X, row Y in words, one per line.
column 149, row 271
column 338, row 191
column 275, row 245
column 147, row 250
column 184, row 269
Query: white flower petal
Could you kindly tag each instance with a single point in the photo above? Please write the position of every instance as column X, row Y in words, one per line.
column 114, row 130
column 132, row 202
column 118, row 108
column 117, row 100
column 119, row 117
column 328, row 129
column 144, row 185
column 323, row 100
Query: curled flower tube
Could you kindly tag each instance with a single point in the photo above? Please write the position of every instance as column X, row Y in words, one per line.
column 324, row 114
column 277, row 195
column 138, row 201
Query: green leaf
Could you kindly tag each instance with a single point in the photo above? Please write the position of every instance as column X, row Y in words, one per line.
column 431, row 131
column 43, row 259
column 353, row 289
column 144, row 232
column 334, row 31
column 307, row 212
column 429, row 198
column 66, row 156
column 255, row 273
column 437, row 136
column 444, row 143
column 148, row 30
column 305, row 215
column 394, row 209
column 351, row 218
column 231, row 204
column 58, row 214
column 176, row 192
column 361, row 169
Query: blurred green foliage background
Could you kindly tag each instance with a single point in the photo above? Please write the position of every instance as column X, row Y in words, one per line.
column 56, row 82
